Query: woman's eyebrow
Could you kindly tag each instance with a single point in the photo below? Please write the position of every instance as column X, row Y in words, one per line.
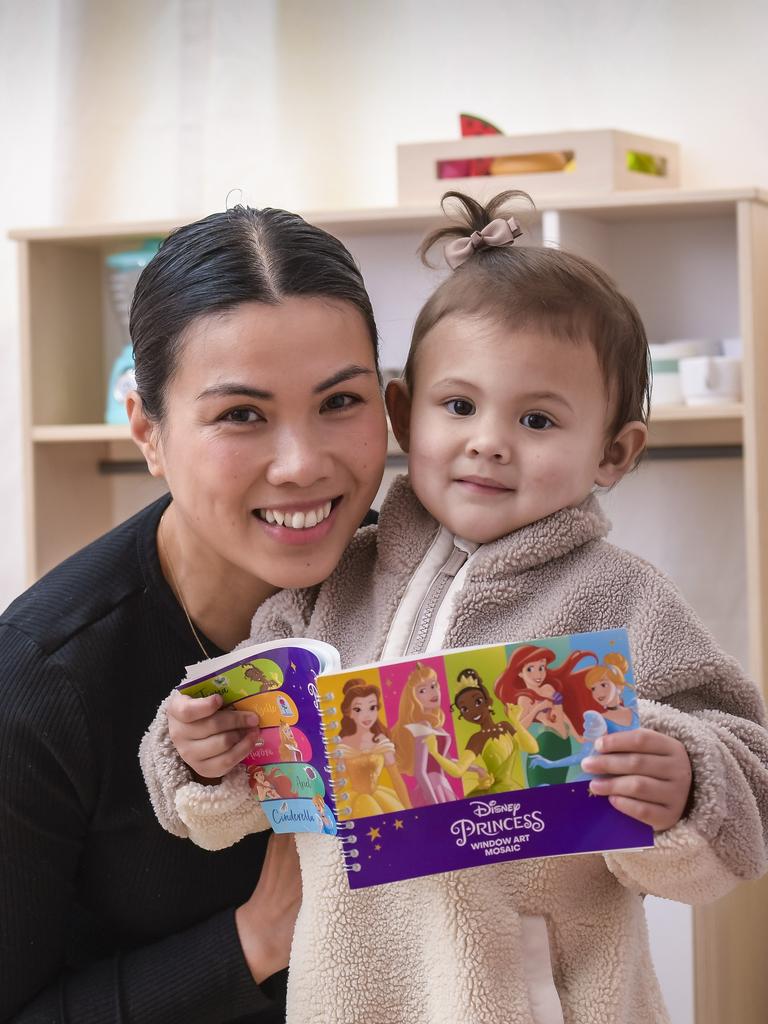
column 348, row 373
column 227, row 390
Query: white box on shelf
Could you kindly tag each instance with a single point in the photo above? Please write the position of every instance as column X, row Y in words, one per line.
column 556, row 164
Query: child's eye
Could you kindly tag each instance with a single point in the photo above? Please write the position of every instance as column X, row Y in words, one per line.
column 460, row 406
column 536, row 421
column 242, row 415
column 337, row 403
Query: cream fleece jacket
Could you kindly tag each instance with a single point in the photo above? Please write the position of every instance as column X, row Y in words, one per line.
column 529, row 942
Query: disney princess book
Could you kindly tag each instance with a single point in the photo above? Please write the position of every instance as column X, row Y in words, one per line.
column 447, row 761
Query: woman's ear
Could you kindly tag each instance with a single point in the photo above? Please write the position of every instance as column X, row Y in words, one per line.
column 399, row 408
column 622, row 453
column 145, row 433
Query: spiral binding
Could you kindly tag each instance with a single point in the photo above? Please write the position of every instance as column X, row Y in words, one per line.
column 334, row 761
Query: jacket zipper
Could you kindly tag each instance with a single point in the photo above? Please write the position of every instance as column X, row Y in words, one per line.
column 425, row 619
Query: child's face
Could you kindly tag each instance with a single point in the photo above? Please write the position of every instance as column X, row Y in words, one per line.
column 503, row 428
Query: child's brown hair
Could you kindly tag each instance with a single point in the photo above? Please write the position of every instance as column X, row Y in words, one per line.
column 541, row 288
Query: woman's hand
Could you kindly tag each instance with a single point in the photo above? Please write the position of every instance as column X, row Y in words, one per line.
column 644, row 773
column 209, row 738
column 266, row 922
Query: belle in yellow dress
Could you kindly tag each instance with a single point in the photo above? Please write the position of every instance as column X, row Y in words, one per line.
column 364, row 752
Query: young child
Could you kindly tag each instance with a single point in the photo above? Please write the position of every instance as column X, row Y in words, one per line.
column 526, row 388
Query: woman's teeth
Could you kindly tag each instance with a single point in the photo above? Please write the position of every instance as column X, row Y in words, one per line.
column 296, row 520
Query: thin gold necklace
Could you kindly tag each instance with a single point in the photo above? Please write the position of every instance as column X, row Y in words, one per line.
column 176, row 587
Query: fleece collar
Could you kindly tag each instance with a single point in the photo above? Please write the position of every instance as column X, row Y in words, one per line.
column 403, row 521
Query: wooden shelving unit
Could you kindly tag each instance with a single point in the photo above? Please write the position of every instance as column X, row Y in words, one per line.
column 696, row 264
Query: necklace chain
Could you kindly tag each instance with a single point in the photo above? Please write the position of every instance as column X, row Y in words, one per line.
column 176, row 587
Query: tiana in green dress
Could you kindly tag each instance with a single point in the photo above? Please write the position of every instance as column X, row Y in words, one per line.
column 497, row 746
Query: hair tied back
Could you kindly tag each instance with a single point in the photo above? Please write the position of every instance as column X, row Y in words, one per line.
column 497, row 232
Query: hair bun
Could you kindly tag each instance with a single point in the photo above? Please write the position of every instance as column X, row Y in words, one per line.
column 353, row 682
column 618, row 661
column 470, row 215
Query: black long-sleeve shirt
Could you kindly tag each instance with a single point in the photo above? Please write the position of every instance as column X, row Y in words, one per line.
column 104, row 917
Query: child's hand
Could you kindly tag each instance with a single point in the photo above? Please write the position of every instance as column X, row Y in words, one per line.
column 209, row 738
column 646, row 774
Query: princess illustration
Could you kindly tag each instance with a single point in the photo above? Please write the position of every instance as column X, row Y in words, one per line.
column 269, row 785
column 288, row 749
column 550, row 700
column 496, row 745
column 606, row 683
column 419, row 736
column 255, row 674
column 365, row 751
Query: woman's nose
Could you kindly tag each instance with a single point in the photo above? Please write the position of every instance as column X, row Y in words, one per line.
column 298, row 459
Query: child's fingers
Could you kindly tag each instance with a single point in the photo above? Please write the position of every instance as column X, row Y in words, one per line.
column 192, row 709
column 633, row 787
column 657, row 816
column 223, row 721
column 216, row 756
column 653, row 765
column 637, row 741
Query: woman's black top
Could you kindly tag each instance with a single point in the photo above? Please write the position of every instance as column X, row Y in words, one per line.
column 104, row 917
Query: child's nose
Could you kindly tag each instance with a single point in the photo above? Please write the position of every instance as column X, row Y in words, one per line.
column 490, row 446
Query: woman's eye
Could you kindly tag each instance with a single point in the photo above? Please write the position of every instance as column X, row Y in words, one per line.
column 536, row 421
column 337, row 403
column 460, row 406
column 242, row 416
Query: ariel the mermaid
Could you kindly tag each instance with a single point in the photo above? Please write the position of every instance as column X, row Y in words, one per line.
column 552, row 698
column 365, row 751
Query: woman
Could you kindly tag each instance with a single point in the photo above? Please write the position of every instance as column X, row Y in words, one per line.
column 366, row 751
column 258, row 402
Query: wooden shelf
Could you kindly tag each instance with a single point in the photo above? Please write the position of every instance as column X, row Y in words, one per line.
column 376, row 220
column 72, row 433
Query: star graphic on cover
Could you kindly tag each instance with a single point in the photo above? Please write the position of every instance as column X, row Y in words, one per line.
column 377, row 846
column 293, row 667
column 398, row 823
column 373, row 833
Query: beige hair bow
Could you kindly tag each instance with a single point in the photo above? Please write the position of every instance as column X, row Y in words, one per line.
column 497, row 232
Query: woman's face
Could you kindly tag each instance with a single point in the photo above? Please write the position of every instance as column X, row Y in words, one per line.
column 274, row 438
column 428, row 694
column 534, row 673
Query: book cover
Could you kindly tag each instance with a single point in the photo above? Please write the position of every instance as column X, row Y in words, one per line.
column 446, row 761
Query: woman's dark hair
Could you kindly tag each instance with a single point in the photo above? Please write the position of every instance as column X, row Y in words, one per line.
column 547, row 289
column 217, row 263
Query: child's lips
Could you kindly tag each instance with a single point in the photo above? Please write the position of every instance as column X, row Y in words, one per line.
column 483, row 484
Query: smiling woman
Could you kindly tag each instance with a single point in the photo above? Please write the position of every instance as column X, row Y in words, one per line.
column 272, row 445
column 258, row 401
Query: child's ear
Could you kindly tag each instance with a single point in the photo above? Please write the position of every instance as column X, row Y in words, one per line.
column 622, row 453
column 146, row 433
column 399, row 408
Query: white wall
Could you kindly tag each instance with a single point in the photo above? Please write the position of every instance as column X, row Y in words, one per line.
column 134, row 109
